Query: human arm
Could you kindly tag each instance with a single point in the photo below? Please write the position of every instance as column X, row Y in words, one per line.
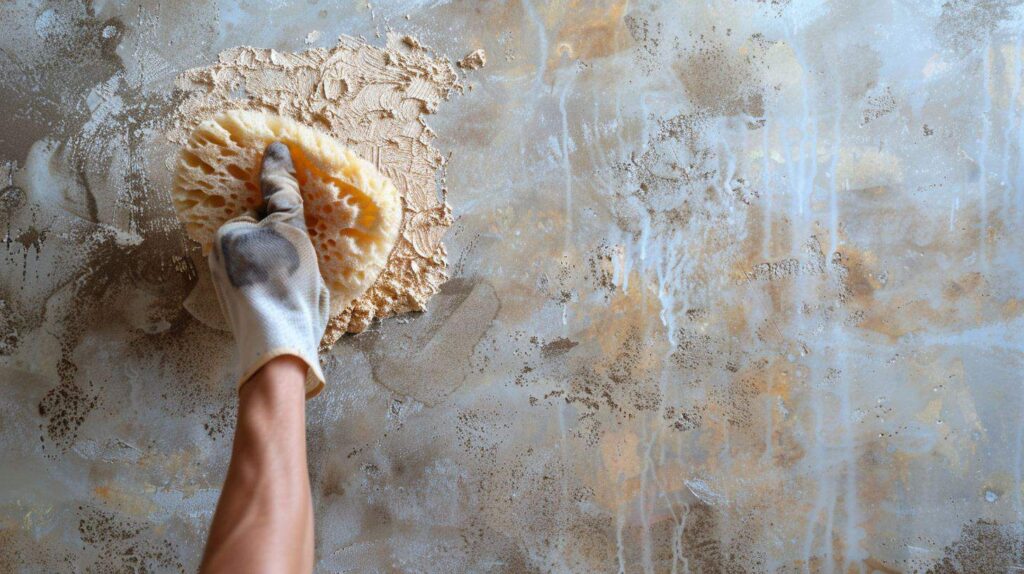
column 264, row 519
column 269, row 287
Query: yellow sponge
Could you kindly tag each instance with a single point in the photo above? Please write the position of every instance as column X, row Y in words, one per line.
column 353, row 212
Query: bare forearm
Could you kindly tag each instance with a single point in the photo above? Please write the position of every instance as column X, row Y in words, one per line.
column 264, row 519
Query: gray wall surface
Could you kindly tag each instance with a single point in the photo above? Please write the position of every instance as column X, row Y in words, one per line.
column 736, row 286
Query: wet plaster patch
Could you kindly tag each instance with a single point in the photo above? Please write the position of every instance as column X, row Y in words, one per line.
column 373, row 100
column 429, row 357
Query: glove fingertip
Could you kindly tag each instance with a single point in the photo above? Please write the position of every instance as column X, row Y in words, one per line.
column 280, row 187
column 277, row 171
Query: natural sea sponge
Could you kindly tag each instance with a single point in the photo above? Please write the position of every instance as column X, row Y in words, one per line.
column 353, row 212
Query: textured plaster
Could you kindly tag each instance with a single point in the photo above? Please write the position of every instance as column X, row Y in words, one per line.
column 736, row 286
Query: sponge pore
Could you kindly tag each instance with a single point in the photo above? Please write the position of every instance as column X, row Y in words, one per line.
column 353, row 212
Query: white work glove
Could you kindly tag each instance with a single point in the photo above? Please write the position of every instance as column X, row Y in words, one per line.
column 267, row 279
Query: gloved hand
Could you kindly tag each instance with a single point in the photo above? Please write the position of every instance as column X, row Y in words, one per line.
column 267, row 279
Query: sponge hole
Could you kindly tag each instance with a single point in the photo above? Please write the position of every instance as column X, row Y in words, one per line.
column 235, row 132
column 237, row 172
column 192, row 160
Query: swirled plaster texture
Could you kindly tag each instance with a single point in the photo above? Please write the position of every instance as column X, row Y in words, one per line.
column 735, row 287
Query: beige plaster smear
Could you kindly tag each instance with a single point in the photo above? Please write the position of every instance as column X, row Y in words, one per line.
column 372, row 100
column 474, row 60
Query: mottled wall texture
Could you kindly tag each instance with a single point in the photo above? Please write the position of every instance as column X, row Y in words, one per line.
column 736, row 286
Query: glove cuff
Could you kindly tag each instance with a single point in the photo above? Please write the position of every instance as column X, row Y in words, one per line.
column 314, row 375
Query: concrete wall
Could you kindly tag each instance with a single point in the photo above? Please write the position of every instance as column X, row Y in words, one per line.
column 736, row 287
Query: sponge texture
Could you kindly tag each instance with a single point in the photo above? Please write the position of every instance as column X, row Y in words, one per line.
column 353, row 212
